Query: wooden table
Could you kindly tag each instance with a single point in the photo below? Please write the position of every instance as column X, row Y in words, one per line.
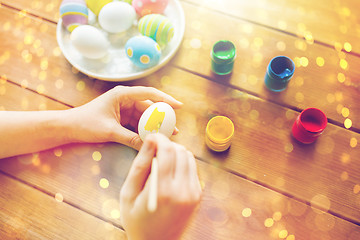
column 267, row 186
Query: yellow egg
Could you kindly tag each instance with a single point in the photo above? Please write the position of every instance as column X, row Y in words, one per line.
column 96, row 5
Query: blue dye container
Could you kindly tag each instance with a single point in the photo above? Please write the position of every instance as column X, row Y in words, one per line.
column 279, row 72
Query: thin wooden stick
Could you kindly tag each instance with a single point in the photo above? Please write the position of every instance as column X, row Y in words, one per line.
column 153, row 178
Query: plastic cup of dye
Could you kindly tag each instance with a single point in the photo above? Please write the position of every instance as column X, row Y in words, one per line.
column 279, row 72
column 309, row 125
column 223, row 55
column 219, row 133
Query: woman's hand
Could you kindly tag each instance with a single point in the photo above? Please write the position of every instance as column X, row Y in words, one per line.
column 179, row 191
column 112, row 116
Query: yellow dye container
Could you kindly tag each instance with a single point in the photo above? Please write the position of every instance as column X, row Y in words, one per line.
column 219, row 133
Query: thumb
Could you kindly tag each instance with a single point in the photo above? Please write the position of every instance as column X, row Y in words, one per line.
column 127, row 137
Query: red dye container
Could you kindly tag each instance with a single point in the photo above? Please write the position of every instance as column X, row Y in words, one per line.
column 309, row 125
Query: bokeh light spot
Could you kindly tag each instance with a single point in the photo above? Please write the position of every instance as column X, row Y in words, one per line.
column 341, row 77
column 104, row 183
column 330, row 98
column 269, row 222
column 304, row 61
column 353, row 142
column 345, row 112
column 80, row 86
column 58, row 152
column 115, row 213
column 277, row 216
column 348, row 123
column 59, row 83
column 289, row 147
column 344, row 176
column 356, row 189
column 246, row 212
column 283, row 233
column 96, row 156
column 59, row 197
column 195, row 43
column 320, row 201
column 347, row 47
column 290, row 237
column 282, row 25
column 299, row 97
column 343, row 64
column 281, row 46
column 345, row 158
column 320, row 61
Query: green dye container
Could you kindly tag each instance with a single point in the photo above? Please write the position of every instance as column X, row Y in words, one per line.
column 223, row 56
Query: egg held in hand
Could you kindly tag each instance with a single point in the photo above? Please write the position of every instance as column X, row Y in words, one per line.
column 159, row 117
column 144, row 7
column 90, row 42
column 117, row 17
column 158, row 27
column 73, row 13
column 143, row 51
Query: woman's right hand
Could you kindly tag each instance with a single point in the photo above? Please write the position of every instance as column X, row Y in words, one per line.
column 179, row 191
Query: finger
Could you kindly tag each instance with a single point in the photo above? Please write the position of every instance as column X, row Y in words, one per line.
column 141, row 106
column 127, row 137
column 182, row 164
column 140, row 169
column 166, row 156
column 193, row 172
column 148, row 93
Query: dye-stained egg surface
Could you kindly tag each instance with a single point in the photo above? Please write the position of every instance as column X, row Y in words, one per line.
column 96, row 5
column 144, row 7
column 73, row 13
column 143, row 51
column 159, row 117
column 158, row 27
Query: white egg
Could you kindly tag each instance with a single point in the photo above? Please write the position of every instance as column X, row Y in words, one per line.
column 159, row 117
column 117, row 17
column 89, row 41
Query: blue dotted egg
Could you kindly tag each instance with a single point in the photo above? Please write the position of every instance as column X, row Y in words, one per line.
column 143, row 51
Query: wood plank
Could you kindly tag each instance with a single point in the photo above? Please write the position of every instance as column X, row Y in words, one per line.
column 27, row 213
column 16, row 98
column 312, row 86
column 56, row 171
column 263, row 136
column 330, row 22
column 44, row 9
column 231, row 206
column 331, row 156
column 329, row 87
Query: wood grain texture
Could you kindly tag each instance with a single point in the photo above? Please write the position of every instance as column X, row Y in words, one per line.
column 324, row 175
column 263, row 149
column 231, row 206
column 252, row 117
column 330, row 22
column 331, row 88
column 16, row 98
column 328, row 87
column 26, row 213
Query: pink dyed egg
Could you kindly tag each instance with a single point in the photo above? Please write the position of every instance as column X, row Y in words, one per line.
column 144, row 7
column 73, row 13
